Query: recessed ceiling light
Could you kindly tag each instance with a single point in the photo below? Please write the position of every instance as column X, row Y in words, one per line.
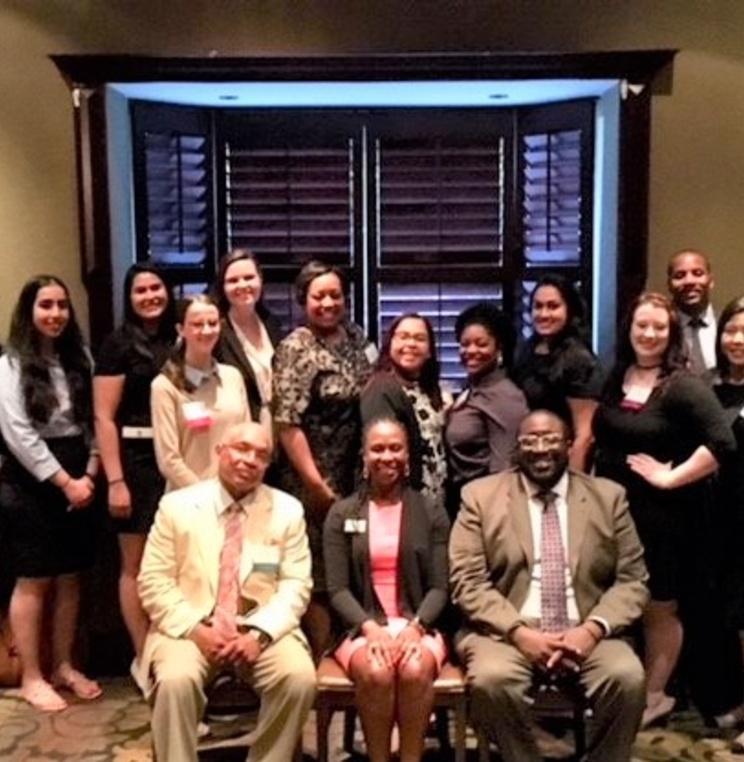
column 228, row 97
column 498, row 96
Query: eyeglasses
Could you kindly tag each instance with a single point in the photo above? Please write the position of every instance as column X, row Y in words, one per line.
column 418, row 338
column 533, row 441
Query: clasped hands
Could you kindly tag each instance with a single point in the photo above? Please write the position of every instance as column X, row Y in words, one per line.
column 557, row 653
column 222, row 649
column 384, row 650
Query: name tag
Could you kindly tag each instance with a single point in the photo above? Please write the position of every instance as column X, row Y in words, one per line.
column 371, row 353
column 265, row 557
column 196, row 415
column 741, row 412
column 355, row 526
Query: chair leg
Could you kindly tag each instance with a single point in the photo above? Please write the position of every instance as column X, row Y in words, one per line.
column 484, row 745
column 441, row 727
column 349, row 728
column 297, row 756
column 579, row 730
column 322, row 724
column 460, row 729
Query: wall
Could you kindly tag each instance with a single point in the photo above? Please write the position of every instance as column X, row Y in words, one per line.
column 697, row 173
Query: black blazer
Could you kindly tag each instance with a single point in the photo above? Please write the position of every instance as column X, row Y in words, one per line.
column 422, row 561
column 384, row 397
column 230, row 351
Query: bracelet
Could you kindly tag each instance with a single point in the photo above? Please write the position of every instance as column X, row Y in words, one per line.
column 111, row 482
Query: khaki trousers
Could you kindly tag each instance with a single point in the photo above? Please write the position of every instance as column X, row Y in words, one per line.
column 499, row 677
column 283, row 676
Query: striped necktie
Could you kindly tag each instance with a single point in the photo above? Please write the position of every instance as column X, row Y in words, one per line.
column 227, row 588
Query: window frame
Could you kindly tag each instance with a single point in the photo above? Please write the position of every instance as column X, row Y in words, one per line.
column 88, row 75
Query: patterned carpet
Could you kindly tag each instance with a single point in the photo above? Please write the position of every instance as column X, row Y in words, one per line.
column 116, row 729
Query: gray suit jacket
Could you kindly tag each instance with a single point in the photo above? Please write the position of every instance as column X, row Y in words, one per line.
column 491, row 553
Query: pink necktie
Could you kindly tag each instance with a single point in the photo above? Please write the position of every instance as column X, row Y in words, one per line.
column 553, row 573
column 227, row 589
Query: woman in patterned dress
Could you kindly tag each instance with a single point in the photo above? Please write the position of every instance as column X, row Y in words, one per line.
column 405, row 386
column 320, row 370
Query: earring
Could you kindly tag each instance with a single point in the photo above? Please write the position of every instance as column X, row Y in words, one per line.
column 365, row 473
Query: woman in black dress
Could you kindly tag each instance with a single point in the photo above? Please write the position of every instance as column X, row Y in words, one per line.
column 660, row 432
column 249, row 332
column 46, row 484
column 405, row 386
column 128, row 361
column 556, row 369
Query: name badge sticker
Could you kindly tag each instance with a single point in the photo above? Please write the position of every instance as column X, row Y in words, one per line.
column 196, row 415
column 741, row 412
column 355, row 526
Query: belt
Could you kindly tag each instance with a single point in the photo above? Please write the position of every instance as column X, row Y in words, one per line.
column 136, row 432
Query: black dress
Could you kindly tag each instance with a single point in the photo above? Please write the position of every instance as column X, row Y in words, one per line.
column 568, row 370
column 677, row 527
column 137, row 356
column 731, row 503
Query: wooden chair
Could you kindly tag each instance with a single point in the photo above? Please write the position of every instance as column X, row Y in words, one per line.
column 228, row 695
column 336, row 692
column 552, row 701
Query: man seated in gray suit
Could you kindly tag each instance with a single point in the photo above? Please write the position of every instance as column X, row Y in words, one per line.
column 225, row 578
column 548, row 571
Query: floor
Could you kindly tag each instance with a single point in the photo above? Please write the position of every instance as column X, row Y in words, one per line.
column 116, row 728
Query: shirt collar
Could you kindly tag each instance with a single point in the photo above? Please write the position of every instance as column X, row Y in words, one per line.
column 196, row 376
column 560, row 488
column 707, row 317
column 225, row 500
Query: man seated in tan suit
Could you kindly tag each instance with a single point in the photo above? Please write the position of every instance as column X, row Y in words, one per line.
column 225, row 578
column 547, row 568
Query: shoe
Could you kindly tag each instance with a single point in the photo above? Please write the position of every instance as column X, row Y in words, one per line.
column 737, row 745
column 658, row 712
column 43, row 697
column 202, row 730
column 732, row 719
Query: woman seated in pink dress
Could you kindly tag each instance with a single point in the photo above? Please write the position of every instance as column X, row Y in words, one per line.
column 385, row 551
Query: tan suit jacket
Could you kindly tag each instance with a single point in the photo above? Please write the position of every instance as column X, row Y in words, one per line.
column 179, row 574
column 491, row 553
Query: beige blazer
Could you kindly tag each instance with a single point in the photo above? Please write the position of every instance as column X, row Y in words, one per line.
column 491, row 552
column 179, row 574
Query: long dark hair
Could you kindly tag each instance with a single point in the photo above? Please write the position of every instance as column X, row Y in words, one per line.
column 674, row 357
column 175, row 367
column 429, row 377
column 218, row 287
column 733, row 308
column 24, row 344
column 575, row 310
column 132, row 322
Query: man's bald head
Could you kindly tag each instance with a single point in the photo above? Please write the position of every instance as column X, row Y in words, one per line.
column 244, row 455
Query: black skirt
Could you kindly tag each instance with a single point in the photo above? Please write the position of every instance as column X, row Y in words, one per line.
column 146, row 485
column 45, row 539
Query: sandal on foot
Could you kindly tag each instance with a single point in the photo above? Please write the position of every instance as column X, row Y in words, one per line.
column 43, row 697
column 658, row 712
column 78, row 683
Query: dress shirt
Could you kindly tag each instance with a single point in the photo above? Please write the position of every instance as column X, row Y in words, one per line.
column 196, row 376
column 532, row 607
column 707, row 333
column 25, row 438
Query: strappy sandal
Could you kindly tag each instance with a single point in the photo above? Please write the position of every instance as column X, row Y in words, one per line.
column 42, row 696
column 76, row 682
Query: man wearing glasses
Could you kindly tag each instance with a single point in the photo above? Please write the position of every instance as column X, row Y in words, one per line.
column 548, row 571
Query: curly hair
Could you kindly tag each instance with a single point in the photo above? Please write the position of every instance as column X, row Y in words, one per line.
column 496, row 324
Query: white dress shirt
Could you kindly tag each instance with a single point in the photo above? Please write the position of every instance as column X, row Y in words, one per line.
column 707, row 334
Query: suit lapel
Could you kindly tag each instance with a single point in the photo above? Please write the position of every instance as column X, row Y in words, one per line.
column 209, row 537
column 520, row 516
column 256, row 527
column 578, row 513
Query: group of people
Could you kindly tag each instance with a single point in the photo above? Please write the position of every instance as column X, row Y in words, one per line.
column 260, row 481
